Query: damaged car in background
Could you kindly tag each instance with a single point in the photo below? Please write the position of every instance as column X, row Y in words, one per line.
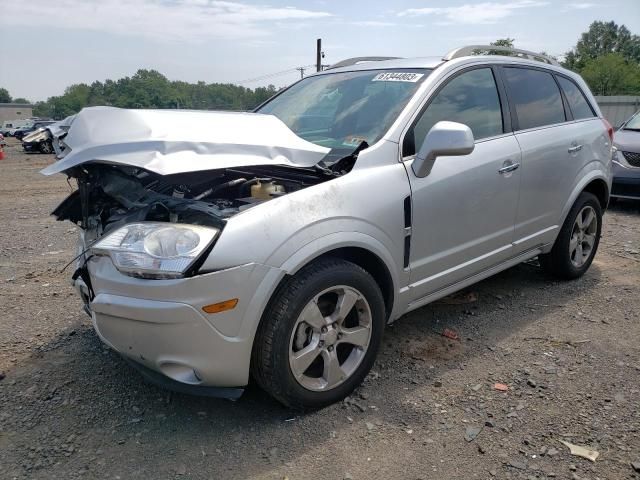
column 47, row 137
column 218, row 246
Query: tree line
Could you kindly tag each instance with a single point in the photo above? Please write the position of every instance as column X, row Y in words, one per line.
column 149, row 89
column 5, row 97
column 607, row 56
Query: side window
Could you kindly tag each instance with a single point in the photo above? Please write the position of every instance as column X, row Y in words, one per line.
column 536, row 97
column 577, row 102
column 470, row 98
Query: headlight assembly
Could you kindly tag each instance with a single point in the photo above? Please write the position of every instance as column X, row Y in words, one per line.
column 155, row 250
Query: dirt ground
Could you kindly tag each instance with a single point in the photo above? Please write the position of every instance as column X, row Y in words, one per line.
column 569, row 353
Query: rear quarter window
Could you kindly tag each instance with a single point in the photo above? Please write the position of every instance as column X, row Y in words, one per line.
column 578, row 104
column 535, row 96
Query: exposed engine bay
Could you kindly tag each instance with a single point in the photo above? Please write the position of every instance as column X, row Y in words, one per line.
column 181, row 167
column 110, row 196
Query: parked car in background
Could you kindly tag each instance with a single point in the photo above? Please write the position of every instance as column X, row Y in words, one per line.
column 6, row 128
column 22, row 131
column 626, row 163
column 19, row 132
column 219, row 245
column 9, row 128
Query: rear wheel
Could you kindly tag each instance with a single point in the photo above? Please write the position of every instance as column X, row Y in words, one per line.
column 320, row 334
column 577, row 241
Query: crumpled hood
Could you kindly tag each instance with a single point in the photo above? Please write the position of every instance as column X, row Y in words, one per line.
column 59, row 129
column 178, row 141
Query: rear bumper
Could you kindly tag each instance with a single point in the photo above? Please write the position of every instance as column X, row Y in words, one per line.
column 160, row 324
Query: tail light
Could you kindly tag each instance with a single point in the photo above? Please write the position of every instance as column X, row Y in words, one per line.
column 609, row 128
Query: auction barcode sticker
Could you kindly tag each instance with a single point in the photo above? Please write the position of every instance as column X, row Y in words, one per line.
column 398, row 77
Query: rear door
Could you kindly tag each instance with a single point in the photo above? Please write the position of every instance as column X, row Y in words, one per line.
column 464, row 210
column 556, row 145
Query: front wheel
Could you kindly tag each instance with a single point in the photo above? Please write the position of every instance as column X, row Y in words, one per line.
column 46, row 147
column 320, row 334
column 578, row 240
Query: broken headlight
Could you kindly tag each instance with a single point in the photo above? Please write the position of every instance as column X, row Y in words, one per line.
column 155, row 250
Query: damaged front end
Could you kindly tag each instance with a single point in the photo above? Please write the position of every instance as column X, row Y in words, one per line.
column 154, row 199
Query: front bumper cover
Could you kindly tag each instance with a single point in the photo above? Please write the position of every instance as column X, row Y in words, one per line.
column 626, row 180
column 160, row 324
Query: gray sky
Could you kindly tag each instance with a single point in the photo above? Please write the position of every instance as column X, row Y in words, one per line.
column 49, row 45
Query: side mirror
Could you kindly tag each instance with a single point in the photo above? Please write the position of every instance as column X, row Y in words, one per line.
column 444, row 139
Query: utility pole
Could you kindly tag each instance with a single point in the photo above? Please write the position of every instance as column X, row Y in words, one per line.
column 319, row 55
column 301, row 70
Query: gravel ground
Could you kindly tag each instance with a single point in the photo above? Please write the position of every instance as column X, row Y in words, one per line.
column 569, row 353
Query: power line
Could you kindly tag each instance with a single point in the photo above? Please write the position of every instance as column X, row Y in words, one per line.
column 271, row 75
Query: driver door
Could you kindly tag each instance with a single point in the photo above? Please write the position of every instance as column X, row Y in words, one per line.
column 464, row 210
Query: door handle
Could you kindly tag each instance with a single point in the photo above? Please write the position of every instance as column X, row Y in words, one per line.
column 509, row 168
column 575, row 148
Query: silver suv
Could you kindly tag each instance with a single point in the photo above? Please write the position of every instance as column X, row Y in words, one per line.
column 277, row 245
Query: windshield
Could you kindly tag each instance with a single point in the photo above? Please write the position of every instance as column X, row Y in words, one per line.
column 341, row 110
column 634, row 123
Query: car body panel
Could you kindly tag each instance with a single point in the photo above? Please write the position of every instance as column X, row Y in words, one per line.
column 476, row 207
column 627, row 140
column 626, row 164
column 163, row 321
column 171, row 141
column 339, row 210
column 550, row 173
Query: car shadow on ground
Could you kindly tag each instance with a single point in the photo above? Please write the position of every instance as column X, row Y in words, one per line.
column 75, row 380
column 625, row 205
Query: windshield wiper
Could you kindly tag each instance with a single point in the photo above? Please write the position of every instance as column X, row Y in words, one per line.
column 343, row 164
column 632, row 129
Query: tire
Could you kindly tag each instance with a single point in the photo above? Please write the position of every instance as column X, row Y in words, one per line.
column 46, row 147
column 564, row 261
column 284, row 334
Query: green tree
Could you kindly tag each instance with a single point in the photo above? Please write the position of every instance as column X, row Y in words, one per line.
column 501, row 42
column 20, row 100
column 504, row 42
column 4, row 96
column 611, row 74
column 603, row 38
column 41, row 109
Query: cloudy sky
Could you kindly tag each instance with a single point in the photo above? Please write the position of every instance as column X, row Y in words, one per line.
column 48, row 45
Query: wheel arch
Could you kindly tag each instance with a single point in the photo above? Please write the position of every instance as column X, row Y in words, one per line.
column 593, row 181
column 600, row 189
column 370, row 262
column 364, row 250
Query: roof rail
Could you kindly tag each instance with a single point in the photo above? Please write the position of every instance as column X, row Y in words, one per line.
column 490, row 49
column 355, row 60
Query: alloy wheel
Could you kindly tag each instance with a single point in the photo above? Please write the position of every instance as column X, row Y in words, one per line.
column 46, row 147
column 583, row 236
column 330, row 338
